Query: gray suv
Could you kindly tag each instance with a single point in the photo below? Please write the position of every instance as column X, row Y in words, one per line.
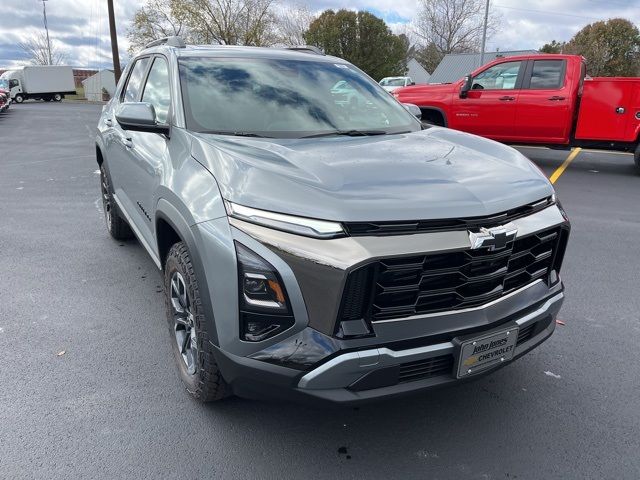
column 316, row 249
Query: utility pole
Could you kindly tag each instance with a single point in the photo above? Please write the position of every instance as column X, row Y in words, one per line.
column 484, row 32
column 114, row 41
column 46, row 28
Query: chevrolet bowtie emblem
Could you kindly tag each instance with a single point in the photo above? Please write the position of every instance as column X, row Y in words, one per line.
column 494, row 238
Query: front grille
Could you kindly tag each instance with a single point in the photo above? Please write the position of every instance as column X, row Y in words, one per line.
column 421, row 369
column 406, row 286
column 356, row 229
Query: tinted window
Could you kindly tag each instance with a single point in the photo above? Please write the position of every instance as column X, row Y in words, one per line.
column 547, row 74
column 286, row 98
column 499, row 77
column 134, row 83
column 157, row 91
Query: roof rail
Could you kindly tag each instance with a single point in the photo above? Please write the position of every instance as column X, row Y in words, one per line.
column 307, row 49
column 174, row 41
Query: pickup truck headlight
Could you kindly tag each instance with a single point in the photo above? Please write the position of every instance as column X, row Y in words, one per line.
column 264, row 305
column 309, row 227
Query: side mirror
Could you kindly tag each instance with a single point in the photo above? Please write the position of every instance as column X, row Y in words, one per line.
column 466, row 86
column 139, row 117
column 412, row 83
column 413, row 110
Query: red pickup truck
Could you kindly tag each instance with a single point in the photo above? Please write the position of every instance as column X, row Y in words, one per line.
column 537, row 99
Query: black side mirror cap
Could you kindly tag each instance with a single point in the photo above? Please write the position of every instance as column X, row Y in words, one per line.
column 466, row 86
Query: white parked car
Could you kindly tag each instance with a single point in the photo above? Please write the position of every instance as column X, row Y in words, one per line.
column 392, row 83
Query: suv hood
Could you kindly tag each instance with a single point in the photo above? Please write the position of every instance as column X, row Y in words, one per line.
column 430, row 174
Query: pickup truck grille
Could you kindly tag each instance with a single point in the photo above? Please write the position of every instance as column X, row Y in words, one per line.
column 406, row 286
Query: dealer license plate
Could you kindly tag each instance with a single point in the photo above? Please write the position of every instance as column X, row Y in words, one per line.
column 478, row 354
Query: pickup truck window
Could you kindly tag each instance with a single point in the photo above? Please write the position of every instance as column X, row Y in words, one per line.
column 547, row 74
column 499, row 77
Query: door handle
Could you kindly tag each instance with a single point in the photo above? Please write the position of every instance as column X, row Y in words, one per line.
column 108, row 122
column 507, row 99
column 556, row 98
column 128, row 142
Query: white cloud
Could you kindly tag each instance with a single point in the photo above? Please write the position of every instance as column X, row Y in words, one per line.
column 81, row 27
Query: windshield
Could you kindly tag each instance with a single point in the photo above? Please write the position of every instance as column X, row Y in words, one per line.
column 286, row 99
column 4, row 84
column 392, row 82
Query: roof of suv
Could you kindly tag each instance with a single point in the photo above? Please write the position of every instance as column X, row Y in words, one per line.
column 242, row 51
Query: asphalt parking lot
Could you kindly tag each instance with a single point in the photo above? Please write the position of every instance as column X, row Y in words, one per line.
column 112, row 405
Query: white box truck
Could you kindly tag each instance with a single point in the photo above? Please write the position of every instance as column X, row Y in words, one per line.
column 40, row 82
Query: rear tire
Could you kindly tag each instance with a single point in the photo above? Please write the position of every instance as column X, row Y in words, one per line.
column 636, row 158
column 57, row 97
column 116, row 225
column 190, row 337
column 19, row 98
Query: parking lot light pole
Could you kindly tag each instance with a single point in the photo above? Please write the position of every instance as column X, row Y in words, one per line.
column 484, row 32
column 46, row 28
column 114, row 41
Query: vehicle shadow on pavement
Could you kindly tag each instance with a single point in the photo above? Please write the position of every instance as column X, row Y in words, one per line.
column 388, row 436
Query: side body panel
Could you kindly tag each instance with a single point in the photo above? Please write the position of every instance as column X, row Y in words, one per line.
column 545, row 115
column 609, row 109
column 488, row 113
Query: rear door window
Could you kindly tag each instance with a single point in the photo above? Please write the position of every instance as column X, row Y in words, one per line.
column 131, row 92
column 547, row 74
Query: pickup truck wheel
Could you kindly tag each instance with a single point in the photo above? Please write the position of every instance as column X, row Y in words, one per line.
column 19, row 98
column 117, row 226
column 57, row 97
column 188, row 328
column 636, row 157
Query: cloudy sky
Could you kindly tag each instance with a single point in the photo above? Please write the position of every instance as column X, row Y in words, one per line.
column 80, row 27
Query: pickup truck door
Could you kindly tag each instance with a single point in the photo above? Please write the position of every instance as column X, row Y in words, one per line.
column 490, row 106
column 544, row 112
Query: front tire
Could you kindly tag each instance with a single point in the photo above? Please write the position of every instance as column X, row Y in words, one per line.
column 19, row 98
column 116, row 225
column 636, row 158
column 191, row 347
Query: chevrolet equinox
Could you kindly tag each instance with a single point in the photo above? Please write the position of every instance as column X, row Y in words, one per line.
column 317, row 247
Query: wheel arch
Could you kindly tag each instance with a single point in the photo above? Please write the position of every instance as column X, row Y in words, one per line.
column 99, row 155
column 170, row 228
column 435, row 112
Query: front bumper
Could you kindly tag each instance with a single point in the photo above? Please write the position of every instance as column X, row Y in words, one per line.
column 363, row 375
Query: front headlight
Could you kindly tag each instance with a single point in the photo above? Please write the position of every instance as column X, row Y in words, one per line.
column 309, row 227
column 264, row 306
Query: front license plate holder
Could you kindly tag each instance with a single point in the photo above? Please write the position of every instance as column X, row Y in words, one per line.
column 478, row 353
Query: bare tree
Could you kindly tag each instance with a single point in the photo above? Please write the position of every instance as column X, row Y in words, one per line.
column 38, row 51
column 232, row 22
column 292, row 21
column 156, row 19
column 453, row 26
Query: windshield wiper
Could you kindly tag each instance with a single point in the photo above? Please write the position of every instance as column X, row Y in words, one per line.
column 235, row 134
column 348, row 133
